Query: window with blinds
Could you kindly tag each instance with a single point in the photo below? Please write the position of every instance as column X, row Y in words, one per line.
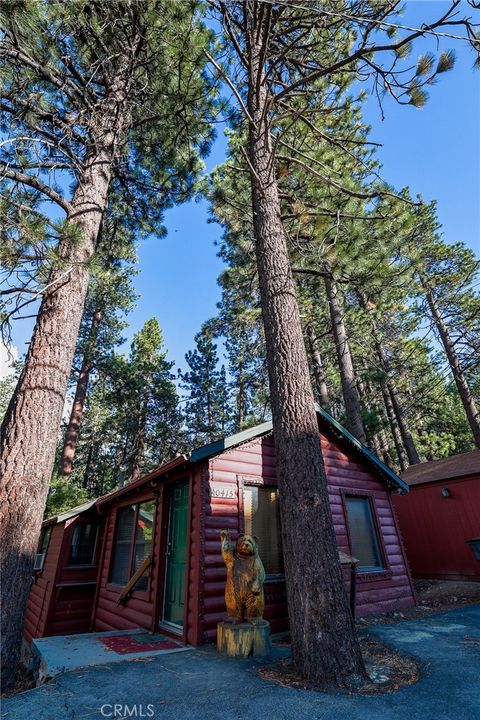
column 262, row 518
column 134, row 528
column 363, row 534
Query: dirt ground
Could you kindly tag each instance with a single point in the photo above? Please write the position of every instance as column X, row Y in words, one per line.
column 387, row 670
column 433, row 596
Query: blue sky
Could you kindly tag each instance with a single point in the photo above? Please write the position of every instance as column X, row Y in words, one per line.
column 435, row 151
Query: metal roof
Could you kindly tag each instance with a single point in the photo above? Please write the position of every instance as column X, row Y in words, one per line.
column 231, row 441
column 389, row 475
column 170, row 465
column 215, row 448
column 78, row 510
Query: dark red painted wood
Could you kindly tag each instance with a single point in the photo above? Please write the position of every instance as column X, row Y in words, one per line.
column 206, row 573
column 42, row 587
column 61, row 596
column 346, row 472
column 435, row 528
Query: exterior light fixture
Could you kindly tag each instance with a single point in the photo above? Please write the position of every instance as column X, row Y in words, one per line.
column 446, row 492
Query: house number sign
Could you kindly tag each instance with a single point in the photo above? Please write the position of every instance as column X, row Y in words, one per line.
column 223, row 490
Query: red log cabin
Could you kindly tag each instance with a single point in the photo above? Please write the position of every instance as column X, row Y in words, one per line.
column 170, row 521
column 439, row 515
column 65, row 574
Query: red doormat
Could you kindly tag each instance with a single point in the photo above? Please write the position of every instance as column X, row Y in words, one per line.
column 143, row 642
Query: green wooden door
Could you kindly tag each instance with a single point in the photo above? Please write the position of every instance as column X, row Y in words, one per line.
column 174, row 596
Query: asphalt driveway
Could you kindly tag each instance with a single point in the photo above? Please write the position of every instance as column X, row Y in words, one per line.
column 200, row 685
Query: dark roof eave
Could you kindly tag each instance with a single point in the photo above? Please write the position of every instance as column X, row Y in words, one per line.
column 230, row 441
column 215, row 448
column 162, row 470
column 68, row 514
column 443, row 470
column 392, row 479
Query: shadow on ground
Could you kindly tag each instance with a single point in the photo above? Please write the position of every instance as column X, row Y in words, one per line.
column 200, row 685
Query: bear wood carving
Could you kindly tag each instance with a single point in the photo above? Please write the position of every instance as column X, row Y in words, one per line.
column 245, row 577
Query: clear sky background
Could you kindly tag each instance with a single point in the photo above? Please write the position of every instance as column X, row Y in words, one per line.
column 434, row 150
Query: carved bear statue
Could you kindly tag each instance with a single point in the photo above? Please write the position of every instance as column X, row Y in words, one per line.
column 245, row 577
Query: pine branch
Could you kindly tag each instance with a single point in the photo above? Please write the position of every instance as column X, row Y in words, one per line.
column 36, row 184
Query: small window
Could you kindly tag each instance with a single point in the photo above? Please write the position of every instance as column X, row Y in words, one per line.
column 262, row 518
column 363, row 534
column 39, row 561
column 133, row 543
column 44, row 540
column 82, row 548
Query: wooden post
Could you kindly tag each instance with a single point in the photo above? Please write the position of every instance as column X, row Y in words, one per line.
column 244, row 640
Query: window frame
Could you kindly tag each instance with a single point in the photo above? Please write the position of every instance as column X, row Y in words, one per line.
column 262, row 482
column 73, row 566
column 46, row 533
column 367, row 575
column 111, row 585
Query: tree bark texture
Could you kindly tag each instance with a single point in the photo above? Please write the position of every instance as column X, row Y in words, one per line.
column 350, row 393
column 241, row 399
column 135, row 461
column 71, row 434
column 318, row 370
column 468, row 401
column 324, row 644
column 407, row 441
column 30, row 427
column 385, row 453
column 395, row 430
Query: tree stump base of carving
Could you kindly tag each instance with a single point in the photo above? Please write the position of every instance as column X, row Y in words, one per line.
column 244, row 640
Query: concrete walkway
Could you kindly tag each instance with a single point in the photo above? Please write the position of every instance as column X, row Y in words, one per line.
column 59, row 653
column 200, row 685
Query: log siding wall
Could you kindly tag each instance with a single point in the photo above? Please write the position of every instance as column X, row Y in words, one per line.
column 138, row 609
column 210, row 512
column 254, row 463
column 61, row 595
column 42, row 587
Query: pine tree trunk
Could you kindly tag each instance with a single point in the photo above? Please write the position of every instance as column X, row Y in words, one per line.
column 324, row 645
column 88, row 464
column 385, row 453
column 379, row 442
column 468, row 401
column 318, row 371
column 135, row 463
column 71, row 434
column 407, row 442
column 241, row 400
column 345, row 363
column 392, row 419
column 365, row 393
column 30, row 427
